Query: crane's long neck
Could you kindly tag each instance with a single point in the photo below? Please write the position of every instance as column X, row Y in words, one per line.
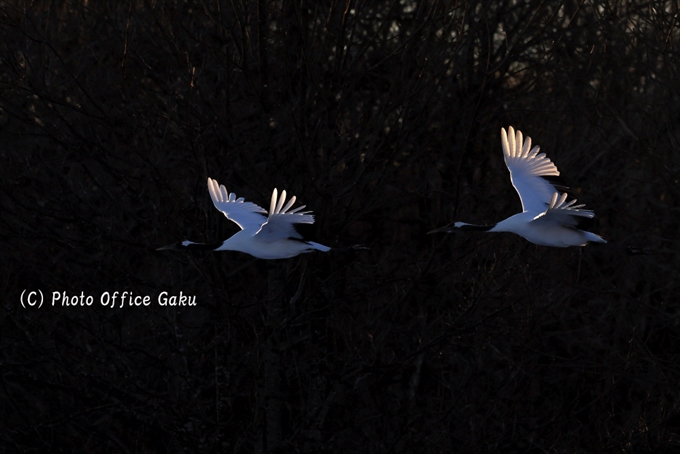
column 464, row 226
column 191, row 246
column 199, row 246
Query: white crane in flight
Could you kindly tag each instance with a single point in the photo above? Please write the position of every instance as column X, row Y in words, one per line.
column 547, row 218
column 272, row 235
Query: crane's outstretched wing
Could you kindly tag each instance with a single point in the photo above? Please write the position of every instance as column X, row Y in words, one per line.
column 246, row 215
column 527, row 167
column 562, row 212
column 281, row 222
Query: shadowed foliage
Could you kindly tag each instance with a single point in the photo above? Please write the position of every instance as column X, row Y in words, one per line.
column 384, row 119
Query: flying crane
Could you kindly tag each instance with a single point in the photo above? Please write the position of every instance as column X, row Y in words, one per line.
column 547, row 218
column 272, row 235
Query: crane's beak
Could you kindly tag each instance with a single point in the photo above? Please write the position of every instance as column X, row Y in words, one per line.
column 445, row 229
column 169, row 247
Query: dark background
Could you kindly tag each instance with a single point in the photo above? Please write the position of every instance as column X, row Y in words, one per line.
column 383, row 118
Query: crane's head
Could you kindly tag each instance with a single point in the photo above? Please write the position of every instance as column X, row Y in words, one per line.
column 449, row 228
column 171, row 247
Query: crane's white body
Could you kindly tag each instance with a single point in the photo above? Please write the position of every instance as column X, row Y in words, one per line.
column 263, row 235
column 258, row 247
column 547, row 218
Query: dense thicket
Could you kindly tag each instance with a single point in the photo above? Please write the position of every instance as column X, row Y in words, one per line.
column 384, row 118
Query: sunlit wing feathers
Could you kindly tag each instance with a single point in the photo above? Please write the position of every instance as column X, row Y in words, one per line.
column 246, row 215
column 280, row 223
column 562, row 212
column 527, row 167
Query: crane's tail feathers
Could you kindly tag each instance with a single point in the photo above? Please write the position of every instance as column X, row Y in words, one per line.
column 318, row 247
column 594, row 238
